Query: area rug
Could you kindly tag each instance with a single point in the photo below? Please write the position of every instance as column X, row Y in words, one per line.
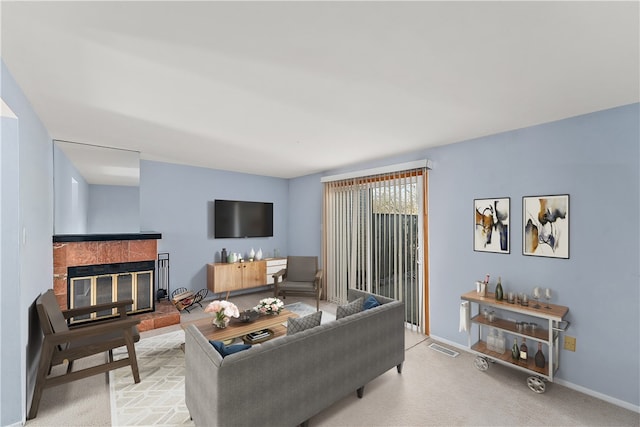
column 158, row 399
column 302, row 309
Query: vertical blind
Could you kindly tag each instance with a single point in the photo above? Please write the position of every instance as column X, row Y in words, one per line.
column 374, row 229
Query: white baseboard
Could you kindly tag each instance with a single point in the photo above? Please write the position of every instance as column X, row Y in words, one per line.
column 589, row 392
column 598, row 395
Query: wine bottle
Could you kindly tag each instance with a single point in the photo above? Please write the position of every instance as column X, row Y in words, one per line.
column 515, row 351
column 499, row 292
column 539, row 358
column 523, row 351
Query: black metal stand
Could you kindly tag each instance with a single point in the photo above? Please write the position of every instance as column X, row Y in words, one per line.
column 163, row 276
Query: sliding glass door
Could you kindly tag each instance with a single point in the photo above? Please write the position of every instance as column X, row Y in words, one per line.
column 374, row 234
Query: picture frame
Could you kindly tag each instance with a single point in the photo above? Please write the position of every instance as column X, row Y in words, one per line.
column 491, row 225
column 545, row 226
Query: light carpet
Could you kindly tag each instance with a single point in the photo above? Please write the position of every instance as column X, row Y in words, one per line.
column 158, row 399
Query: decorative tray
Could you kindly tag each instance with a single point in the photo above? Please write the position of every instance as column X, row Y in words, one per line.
column 248, row 316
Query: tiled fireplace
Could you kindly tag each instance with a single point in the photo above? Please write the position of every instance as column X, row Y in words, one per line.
column 101, row 252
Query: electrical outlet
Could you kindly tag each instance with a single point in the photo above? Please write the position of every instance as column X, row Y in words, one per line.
column 569, row 343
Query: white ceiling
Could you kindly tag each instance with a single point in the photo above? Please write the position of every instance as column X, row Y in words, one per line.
column 287, row 89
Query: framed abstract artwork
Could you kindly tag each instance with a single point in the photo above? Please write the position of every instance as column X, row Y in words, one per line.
column 545, row 226
column 491, row 225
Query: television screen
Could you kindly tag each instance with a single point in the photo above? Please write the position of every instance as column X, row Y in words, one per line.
column 236, row 219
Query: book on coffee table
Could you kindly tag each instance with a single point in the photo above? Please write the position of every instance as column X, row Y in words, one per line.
column 258, row 334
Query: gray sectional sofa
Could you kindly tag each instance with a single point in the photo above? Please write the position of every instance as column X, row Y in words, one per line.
column 287, row 380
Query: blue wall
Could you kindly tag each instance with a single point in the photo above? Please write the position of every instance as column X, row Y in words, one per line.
column 176, row 200
column 595, row 159
column 305, row 218
column 33, row 181
column 70, row 216
column 113, row 209
column 10, row 349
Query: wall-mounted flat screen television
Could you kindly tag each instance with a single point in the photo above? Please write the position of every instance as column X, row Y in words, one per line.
column 237, row 219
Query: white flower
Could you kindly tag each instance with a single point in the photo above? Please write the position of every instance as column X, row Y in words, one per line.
column 269, row 305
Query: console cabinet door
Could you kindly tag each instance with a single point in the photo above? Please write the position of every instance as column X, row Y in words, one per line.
column 254, row 274
column 240, row 275
column 223, row 277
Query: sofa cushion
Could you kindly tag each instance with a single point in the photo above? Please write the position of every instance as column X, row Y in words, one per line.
column 353, row 307
column 227, row 350
column 370, row 302
column 303, row 323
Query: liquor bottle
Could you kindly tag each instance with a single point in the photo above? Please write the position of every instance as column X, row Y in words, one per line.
column 485, row 286
column 539, row 358
column 515, row 351
column 523, row 351
column 499, row 292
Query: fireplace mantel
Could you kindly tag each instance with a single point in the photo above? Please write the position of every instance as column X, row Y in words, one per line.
column 145, row 235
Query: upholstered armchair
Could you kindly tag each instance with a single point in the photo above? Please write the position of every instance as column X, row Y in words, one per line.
column 301, row 277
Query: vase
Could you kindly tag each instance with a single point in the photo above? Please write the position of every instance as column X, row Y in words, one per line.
column 259, row 255
column 220, row 323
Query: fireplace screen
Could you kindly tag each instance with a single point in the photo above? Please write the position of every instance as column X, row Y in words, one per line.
column 91, row 285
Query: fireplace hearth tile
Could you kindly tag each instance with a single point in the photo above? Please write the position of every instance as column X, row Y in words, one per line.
column 167, row 320
column 166, row 314
column 145, row 325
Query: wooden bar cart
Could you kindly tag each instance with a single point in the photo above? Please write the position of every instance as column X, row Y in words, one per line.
column 551, row 324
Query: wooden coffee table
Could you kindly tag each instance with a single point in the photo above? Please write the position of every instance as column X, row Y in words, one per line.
column 237, row 328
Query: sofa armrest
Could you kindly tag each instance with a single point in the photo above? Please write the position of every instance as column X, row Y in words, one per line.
column 202, row 366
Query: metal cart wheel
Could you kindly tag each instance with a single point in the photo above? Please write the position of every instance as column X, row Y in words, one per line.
column 536, row 384
column 481, row 363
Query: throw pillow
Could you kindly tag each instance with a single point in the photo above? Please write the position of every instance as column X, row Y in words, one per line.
column 227, row 350
column 370, row 302
column 353, row 307
column 303, row 323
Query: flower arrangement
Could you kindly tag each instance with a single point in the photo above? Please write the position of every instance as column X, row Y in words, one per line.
column 223, row 311
column 269, row 306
